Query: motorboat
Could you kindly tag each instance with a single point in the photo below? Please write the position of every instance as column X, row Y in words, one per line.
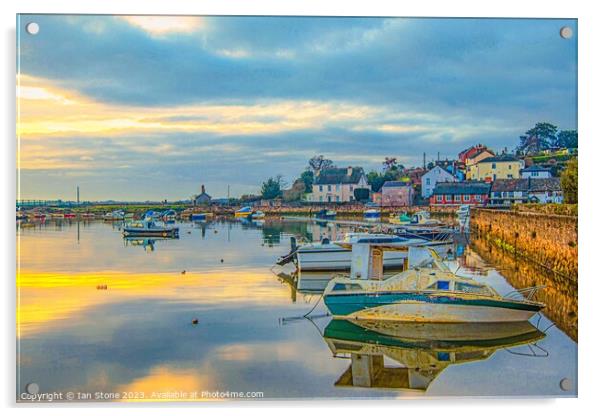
column 169, row 215
column 426, row 292
column 258, row 215
column 244, row 212
column 423, row 218
column 149, row 228
column 400, row 219
column 410, row 356
column 372, row 215
column 117, row 215
column 70, row 215
column 198, row 216
column 326, row 214
column 326, row 255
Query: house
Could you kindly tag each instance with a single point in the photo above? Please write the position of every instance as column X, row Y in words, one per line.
column 397, row 194
column 469, row 153
column 203, row 198
column 545, row 190
column 432, row 178
column 496, row 167
column 478, row 156
column 460, row 193
column 505, row 192
column 338, row 184
column 536, row 171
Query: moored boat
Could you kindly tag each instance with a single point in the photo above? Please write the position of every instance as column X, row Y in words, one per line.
column 117, row 215
column 400, row 219
column 257, row 215
column 149, row 228
column 429, row 292
column 326, row 214
column 244, row 212
column 372, row 215
column 169, row 215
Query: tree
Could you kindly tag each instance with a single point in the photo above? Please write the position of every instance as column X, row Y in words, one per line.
column 308, row 179
column 317, row 163
column 376, row 180
column 539, row 138
column 569, row 182
column 566, row 138
column 272, row 188
column 361, row 194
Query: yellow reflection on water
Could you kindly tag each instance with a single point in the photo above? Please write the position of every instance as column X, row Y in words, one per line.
column 50, row 300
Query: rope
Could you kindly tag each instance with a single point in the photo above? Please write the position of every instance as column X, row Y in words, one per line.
column 312, row 309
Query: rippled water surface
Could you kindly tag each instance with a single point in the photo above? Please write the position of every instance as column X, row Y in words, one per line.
column 98, row 314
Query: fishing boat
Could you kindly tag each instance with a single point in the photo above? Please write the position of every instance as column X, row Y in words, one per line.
column 428, row 292
column 244, row 212
column 149, row 228
column 88, row 215
column 70, row 215
column 258, row 215
column 117, row 215
column 372, row 215
column 421, row 352
column 326, row 214
column 331, row 256
column 57, row 215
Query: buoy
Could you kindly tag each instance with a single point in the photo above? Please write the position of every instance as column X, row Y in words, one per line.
column 195, row 321
column 214, row 231
column 222, row 260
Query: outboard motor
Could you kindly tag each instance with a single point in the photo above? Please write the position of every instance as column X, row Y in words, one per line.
column 325, row 241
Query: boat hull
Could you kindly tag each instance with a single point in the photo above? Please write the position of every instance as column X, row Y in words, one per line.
column 337, row 258
column 420, row 307
column 150, row 233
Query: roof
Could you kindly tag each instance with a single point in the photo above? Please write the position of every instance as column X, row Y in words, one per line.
column 499, row 158
column 441, row 168
column 544, row 184
column 393, row 184
column 536, row 168
column 338, row 175
column 472, row 156
column 510, row 185
column 461, row 188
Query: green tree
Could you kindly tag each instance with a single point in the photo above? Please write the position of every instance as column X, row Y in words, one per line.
column 272, row 187
column 569, row 182
column 539, row 138
column 567, row 138
column 308, row 179
column 376, row 180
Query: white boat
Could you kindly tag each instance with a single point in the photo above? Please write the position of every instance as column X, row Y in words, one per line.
column 257, row 215
column 423, row 218
column 326, row 255
column 428, row 292
column 149, row 228
column 117, row 215
column 372, row 215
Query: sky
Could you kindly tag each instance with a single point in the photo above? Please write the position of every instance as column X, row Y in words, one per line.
column 150, row 107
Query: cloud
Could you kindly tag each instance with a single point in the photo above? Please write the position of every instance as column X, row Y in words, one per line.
column 232, row 100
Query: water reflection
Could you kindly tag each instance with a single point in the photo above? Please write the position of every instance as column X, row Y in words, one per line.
column 137, row 334
column 421, row 351
column 559, row 294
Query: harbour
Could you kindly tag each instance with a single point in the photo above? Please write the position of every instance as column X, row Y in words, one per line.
column 119, row 314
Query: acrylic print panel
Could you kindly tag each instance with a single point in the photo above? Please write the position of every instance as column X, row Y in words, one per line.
column 186, row 184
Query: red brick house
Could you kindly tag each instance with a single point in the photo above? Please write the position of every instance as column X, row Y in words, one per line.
column 460, row 193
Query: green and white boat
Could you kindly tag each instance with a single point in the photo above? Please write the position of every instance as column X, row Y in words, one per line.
column 428, row 292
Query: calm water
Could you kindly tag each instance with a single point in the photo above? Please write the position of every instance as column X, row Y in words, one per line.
column 136, row 335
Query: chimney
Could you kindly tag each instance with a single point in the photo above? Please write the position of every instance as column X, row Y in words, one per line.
column 349, row 171
column 202, row 189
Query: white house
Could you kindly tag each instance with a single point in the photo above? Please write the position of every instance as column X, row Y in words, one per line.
column 537, row 172
column 546, row 190
column 433, row 177
column 338, row 184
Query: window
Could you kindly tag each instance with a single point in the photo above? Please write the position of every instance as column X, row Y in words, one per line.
column 338, row 199
column 477, row 198
column 321, row 198
column 493, row 166
column 509, row 166
column 346, row 286
column 321, row 188
column 329, row 188
column 466, row 198
column 439, row 198
column 457, row 198
column 329, row 198
column 428, row 181
column 351, row 188
column 440, row 285
column 509, row 176
column 448, row 197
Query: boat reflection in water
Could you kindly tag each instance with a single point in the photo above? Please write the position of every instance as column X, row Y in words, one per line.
column 147, row 243
column 423, row 351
